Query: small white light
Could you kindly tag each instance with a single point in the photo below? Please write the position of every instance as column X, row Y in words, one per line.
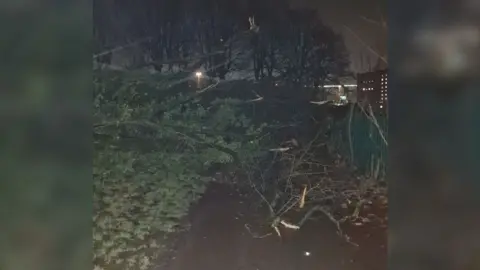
column 198, row 74
column 306, row 253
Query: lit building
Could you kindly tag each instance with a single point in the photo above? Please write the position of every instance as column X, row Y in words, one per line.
column 341, row 93
column 373, row 89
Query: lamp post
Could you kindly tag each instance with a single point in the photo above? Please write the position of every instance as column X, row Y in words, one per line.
column 199, row 75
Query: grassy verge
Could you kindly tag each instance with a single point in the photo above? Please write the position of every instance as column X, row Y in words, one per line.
column 153, row 139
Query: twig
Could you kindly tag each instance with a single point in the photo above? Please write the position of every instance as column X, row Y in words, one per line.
column 255, row 235
column 297, row 199
column 282, row 149
column 371, row 116
column 258, row 98
column 310, row 173
column 207, row 88
column 289, row 225
column 371, row 21
column 319, row 102
column 382, row 23
column 288, row 205
column 302, row 200
column 272, row 211
column 330, row 216
column 307, row 148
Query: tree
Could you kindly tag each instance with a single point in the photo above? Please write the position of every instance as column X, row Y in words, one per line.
column 294, row 45
column 311, row 52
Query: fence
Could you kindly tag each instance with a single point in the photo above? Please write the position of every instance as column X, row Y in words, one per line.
column 359, row 139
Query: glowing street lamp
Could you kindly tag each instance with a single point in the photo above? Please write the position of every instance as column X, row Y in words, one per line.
column 199, row 75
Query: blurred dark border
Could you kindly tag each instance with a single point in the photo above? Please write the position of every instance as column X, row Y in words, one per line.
column 45, row 137
column 434, row 202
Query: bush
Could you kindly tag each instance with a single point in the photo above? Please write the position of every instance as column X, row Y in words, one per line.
column 152, row 141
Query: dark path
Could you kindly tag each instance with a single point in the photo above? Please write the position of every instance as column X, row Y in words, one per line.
column 218, row 240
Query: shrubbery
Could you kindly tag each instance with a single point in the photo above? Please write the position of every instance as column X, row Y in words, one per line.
column 152, row 140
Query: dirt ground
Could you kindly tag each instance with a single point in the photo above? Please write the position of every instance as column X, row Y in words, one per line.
column 219, row 240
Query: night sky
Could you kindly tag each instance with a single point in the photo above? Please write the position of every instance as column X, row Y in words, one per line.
column 341, row 13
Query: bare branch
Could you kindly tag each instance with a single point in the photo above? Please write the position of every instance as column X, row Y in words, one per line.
column 119, row 48
column 366, row 45
column 371, row 21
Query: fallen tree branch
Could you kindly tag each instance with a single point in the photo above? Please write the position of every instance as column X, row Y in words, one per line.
column 157, row 127
column 330, row 216
column 255, row 235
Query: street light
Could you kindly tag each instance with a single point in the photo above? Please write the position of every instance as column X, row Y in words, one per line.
column 199, row 75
